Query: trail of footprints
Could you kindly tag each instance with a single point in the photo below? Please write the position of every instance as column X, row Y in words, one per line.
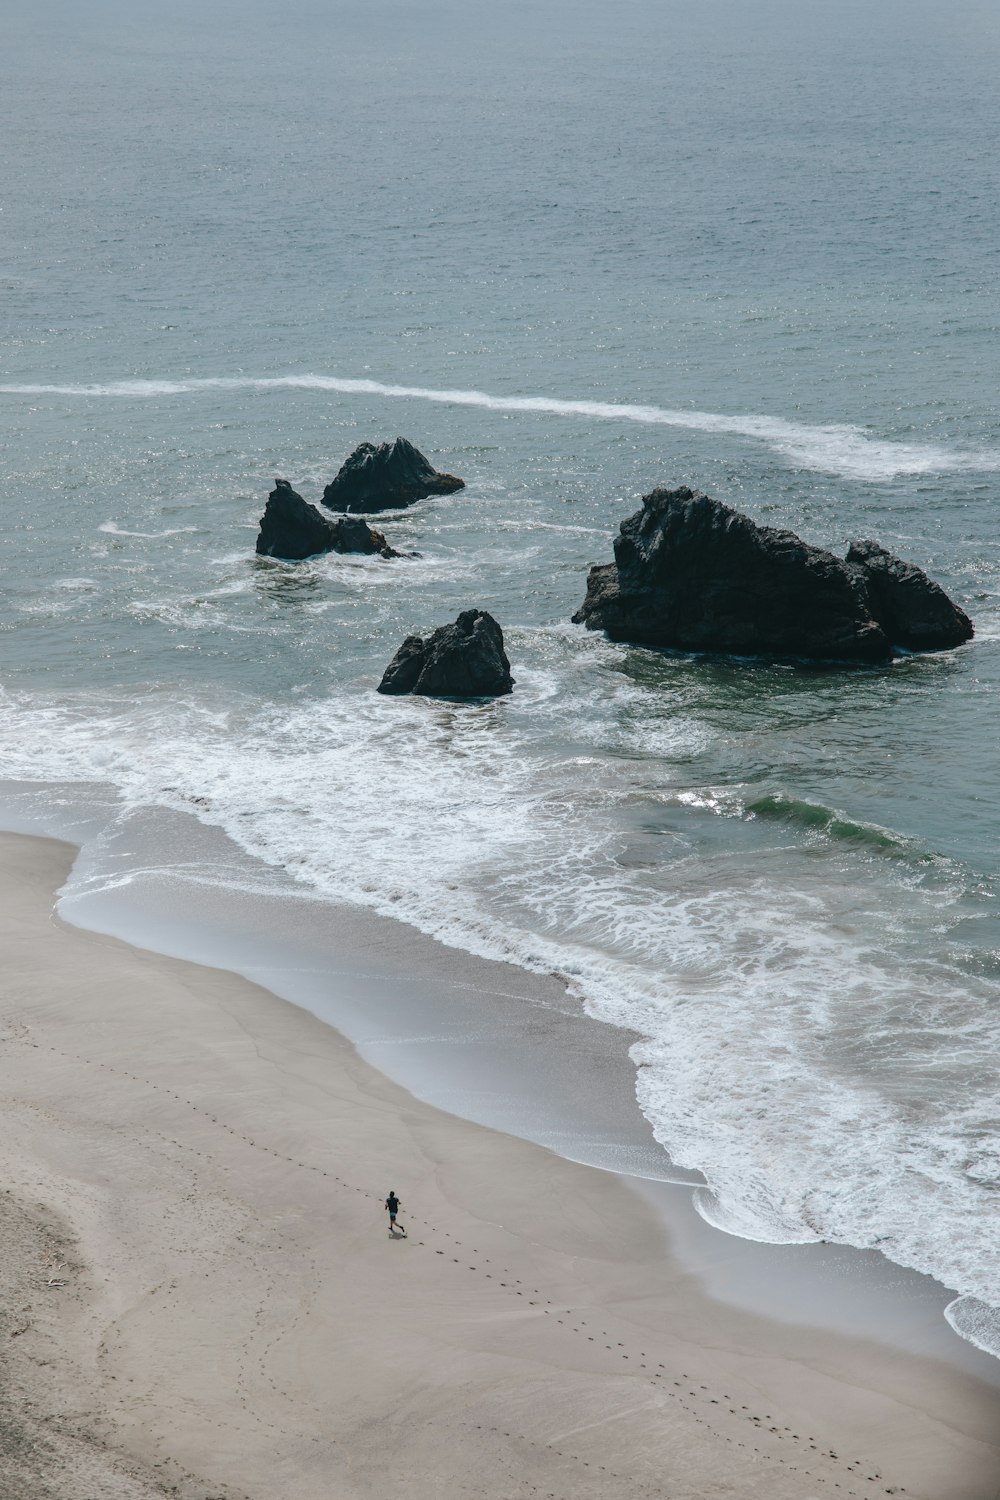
column 660, row 1378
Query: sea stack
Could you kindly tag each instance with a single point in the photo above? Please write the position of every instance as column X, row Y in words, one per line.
column 463, row 660
column 387, row 477
column 292, row 529
column 692, row 574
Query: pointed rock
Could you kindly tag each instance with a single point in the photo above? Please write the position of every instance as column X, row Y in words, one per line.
column 463, row 660
column 913, row 610
column 388, row 477
column 291, row 528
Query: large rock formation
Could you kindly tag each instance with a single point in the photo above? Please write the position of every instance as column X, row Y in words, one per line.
column 388, row 477
column 693, row 574
column 291, row 528
column 464, row 660
column 913, row 610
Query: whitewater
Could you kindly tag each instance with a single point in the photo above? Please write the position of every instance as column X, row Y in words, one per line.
column 837, row 448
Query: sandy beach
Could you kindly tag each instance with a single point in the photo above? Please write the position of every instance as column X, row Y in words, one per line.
column 202, row 1298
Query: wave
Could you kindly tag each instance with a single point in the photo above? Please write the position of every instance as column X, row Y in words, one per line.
column 750, row 1220
column 834, row 448
column 813, row 817
column 976, row 1321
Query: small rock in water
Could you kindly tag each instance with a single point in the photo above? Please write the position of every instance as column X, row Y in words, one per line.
column 387, row 477
column 463, row 660
column 292, row 529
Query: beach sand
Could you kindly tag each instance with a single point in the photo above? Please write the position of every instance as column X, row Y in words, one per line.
column 201, row 1297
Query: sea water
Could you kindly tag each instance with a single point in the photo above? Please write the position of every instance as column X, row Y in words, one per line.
column 572, row 252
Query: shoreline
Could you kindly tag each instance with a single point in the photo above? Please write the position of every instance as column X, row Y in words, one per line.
column 232, row 1314
column 482, row 1039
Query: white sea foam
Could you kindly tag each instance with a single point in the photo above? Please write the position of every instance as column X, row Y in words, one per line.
column 833, row 448
column 976, row 1321
column 785, row 1053
column 751, row 1221
column 114, row 529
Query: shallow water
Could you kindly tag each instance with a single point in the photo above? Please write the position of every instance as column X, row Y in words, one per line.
column 571, row 256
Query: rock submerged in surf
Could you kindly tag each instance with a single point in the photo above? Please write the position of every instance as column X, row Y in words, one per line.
column 692, row 574
column 390, row 476
column 292, row 529
column 463, row 660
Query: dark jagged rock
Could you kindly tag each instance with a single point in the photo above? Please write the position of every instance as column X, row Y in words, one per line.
column 464, row 660
column 387, row 477
column 691, row 573
column 352, row 535
column 913, row 610
column 291, row 528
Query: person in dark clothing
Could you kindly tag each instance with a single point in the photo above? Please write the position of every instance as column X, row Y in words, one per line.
column 392, row 1205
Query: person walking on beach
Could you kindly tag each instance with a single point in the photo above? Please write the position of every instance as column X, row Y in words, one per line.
column 392, row 1204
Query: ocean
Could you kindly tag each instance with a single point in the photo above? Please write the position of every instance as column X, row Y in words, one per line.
column 571, row 252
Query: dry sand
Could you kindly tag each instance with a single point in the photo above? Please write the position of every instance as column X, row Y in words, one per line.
column 201, row 1298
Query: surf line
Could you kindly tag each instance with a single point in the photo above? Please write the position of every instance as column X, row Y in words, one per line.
column 836, row 448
